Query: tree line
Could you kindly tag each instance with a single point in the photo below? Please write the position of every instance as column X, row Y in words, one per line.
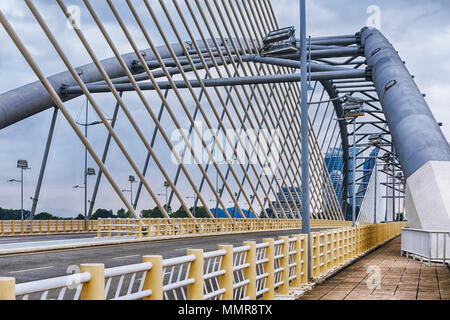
column 11, row 214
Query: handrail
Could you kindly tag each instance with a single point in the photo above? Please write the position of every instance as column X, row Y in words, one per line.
column 124, row 270
column 250, row 271
column 50, row 284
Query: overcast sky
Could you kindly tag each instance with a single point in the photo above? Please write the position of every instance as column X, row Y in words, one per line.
column 418, row 29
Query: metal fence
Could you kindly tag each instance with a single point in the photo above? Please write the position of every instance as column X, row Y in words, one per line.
column 38, row 227
column 432, row 246
column 181, row 227
column 249, row 272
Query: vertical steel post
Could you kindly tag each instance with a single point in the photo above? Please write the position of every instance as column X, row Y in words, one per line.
column 354, row 176
column 393, row 182
column 376, row 195
column 44, row 163
column 306, row 223
column 21, row 192
column 105, row 155
column 85, row 165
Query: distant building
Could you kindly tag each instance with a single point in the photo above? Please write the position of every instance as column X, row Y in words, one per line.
column 335, row 165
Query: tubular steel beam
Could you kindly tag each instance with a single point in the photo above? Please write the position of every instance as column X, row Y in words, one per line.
column 44, row 163
column 222, row 82
column 415, row 132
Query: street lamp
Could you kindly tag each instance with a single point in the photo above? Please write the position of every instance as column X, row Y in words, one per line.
column 167, row 186
column 88, row 172
column 132, row 180
column 193, row 209
column 22, row 165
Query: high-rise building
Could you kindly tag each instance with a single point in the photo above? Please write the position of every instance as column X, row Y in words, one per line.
column 334, row 162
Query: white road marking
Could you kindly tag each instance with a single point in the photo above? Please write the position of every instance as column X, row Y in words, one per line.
column 118, row 258
column 36, row 269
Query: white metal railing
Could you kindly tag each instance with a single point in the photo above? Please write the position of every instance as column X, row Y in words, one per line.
column 429, row 245
column 239, row 266
column 212, row 272
column 135, row 288
column 176, row 277
column 47, row 289
column 261, row 274
column 249, row 272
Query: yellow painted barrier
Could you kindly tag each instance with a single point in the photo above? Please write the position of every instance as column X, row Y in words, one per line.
column 45, row 227
column 329, row 251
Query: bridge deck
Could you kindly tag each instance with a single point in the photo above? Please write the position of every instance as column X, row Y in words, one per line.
column 401, row 279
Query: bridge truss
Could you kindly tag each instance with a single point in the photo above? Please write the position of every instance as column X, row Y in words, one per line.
column 223, row 65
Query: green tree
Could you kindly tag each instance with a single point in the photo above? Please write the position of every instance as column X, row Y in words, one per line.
column 102, row 214
column 8, row 214
column 122, row 214
column 45, row 216
column 152, row 214
column 180, row 213
column 80, row 217
column 200, row 212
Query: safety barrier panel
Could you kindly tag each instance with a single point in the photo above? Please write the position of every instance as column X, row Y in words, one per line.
column 42, row 227
column 249, row 272
column 432, row 246
column 181, row 227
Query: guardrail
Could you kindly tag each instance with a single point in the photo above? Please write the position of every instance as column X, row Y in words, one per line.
column 249, row 272
column 182, row 227
column 432, row 246
column 42, row 227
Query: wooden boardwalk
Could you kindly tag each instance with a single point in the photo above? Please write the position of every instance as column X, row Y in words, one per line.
column 399, row 279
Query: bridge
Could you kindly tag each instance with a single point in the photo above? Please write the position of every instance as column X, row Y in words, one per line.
column 289, row 157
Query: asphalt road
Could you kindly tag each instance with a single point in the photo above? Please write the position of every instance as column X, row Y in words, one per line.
column 32, row 267
column 24, row 239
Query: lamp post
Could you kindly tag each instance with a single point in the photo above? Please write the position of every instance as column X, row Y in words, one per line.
column 166, row 185
column 132, row 180
column 193, row 208
column 88, row 172
column 22, row 165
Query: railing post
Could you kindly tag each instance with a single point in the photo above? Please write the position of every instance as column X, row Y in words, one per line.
column 305, row 252
column 154, row 279
column 250, row 272
column 226, row 280
column 95, row 288
column 284, row 263
column 195, row 291
column 139, row 233
column 322, row 252
column 297, row 282
column 315, row 255
column 99, row 228
column 269, row 267
column 7, row 289
column 110, row 228
column 2, row 226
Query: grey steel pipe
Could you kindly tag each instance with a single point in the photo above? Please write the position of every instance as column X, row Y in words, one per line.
column 221, row 82
column 415, row 132
column 26, row 101
column 332, row 93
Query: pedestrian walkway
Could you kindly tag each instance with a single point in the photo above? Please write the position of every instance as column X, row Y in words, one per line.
column 399, row 279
